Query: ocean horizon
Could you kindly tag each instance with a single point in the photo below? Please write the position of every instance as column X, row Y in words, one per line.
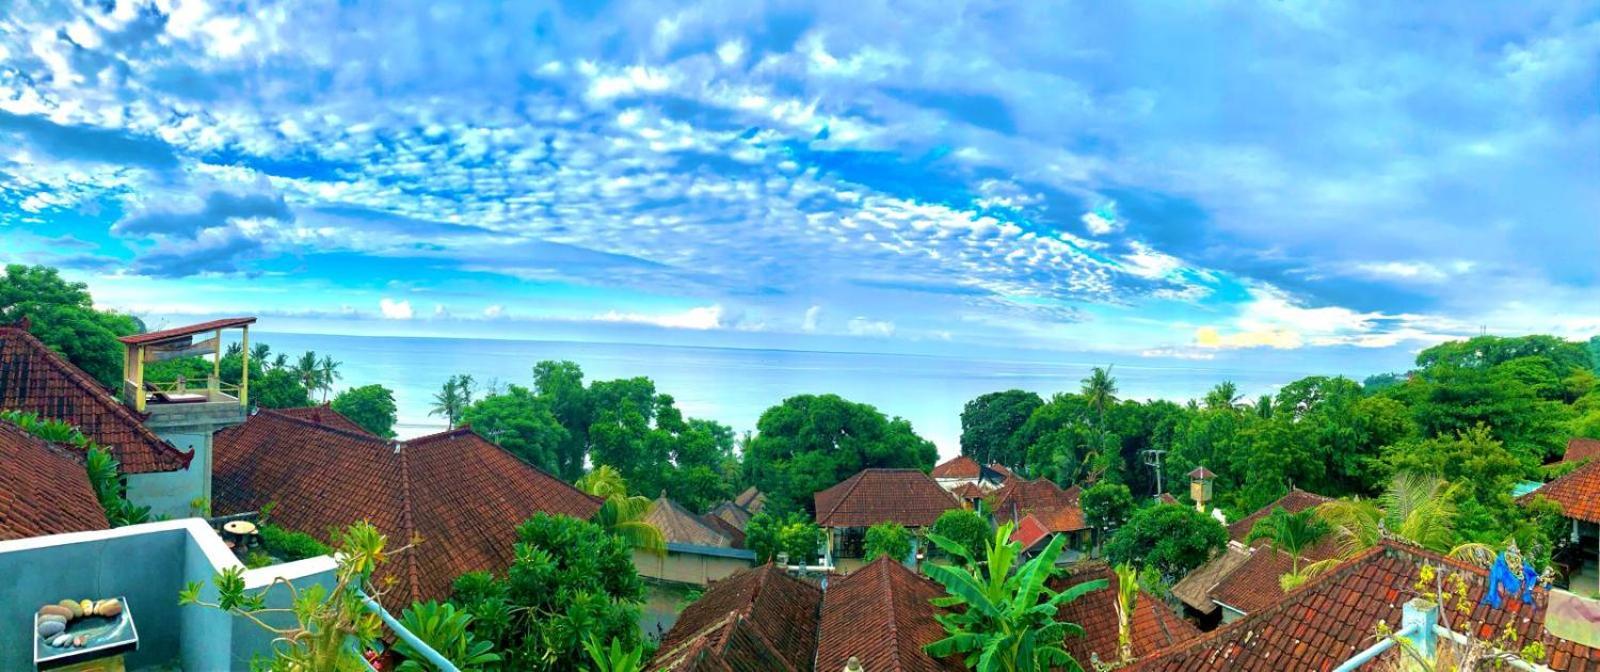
column 734, row 385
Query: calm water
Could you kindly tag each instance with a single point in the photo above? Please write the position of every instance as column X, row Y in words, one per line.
column 734, row 386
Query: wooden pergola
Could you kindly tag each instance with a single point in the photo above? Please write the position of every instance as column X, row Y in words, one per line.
column 166, row 344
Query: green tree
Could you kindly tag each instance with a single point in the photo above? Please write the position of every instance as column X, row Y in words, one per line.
column 1293, row 533
column 453, row 398
column 998, row 619
column 966, row 528
column 989, row 421
column 1485, row 352
column 795, row 534
column 620, row 514
column 520, row 422
column 1106, row 506
column 65, row 319
column 370, row 406
column 1224, row 397
column 570, row 581
column 1171, row 538
column 811, row 442
column 888, row 538
column 1418, row 508
column 560, row 385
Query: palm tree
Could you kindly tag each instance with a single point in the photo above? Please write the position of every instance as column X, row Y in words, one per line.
column 308, row 370
column 328, row 371
column 448, row 401
column 620, row 514
column 260, row 352
column 1224, row 396
column 281, row 361
column 1293, row 533
column 1417, row 508
column 1100, row 391
column 1264, row 407
column 1002, row 620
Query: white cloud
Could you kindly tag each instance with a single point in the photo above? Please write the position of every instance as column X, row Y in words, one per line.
column 395, row 310
column 702, row 318
column 810, row 322
column 861, row 326
column 731, row 52
column 1101, row 220
column 440, row 312
column 494, row 311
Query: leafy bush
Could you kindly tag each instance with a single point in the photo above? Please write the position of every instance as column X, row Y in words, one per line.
column 289, row 545
column 768, row 535
column 966, row 528
column 889, row 539
column 444, row 630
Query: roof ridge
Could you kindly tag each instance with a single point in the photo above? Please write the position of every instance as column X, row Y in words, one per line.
column 80, row 378
column 887, row 591
column 1291, row 598
column 364, row 436
column 408, row 521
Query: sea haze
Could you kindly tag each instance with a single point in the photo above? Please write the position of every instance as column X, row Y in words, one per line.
column 734, row 385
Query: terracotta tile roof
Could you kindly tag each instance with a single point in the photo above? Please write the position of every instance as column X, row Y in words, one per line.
column 34, row 378
column 460, row 494
column 1167, row 498
column 325, row 415
column 731, row 513
column 1029, row 531
column 1066, row 519
column 189, row 330
column 1195, row 589
column 1019, row 497
column 959, row 466
column 1295, row 501
column 1333, row 616
column 1002, row 470
column 1578, row 493
column 1580, row 448
column 758, row 619
column 880, row 615
column 872, row 496
column 43, row 488
column 681, row 526
column 1253, row 585
column 1155, row 625
column 735, row 535
column 751, row 500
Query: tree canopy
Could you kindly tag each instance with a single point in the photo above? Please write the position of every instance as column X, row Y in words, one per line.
column 810, row 442
column 1171, row 538
column 370, row 406
column 989, row 422
column 64, row 318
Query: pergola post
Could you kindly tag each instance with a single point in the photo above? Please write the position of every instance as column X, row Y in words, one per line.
column 244, row 375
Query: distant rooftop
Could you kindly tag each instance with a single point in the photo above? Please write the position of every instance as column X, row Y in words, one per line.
column 905, row 496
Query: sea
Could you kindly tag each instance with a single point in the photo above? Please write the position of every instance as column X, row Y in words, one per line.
column 735, row 385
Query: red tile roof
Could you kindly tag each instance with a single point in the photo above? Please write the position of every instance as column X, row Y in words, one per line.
column 1002, row 470
column 1018, row 497
column 732, row 514
column 1580, row 448
column 756, row 620
column 34, row 378
column 681, row 526
column 1334, row 615
column 1295, row 501
column 960, row 466
column 1167, row 498
column 1578, row 493
column 43, row 488
column 751, row 500
column 1253, row 585
column 1155, row 625
column 872, row 496
column 325, row 415
column 185, row 331
column 1029, row 531
column 460, row 494
column 880, row 615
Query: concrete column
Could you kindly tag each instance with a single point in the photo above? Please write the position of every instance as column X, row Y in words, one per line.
column 1424, row 615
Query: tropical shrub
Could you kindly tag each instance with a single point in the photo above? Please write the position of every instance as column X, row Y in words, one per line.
column 889, row 539
column 443, row 629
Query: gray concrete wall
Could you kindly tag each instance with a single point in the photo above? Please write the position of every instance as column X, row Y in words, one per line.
column 689, row 568
column 169, row 493
column 146, row 569
column 147, row 565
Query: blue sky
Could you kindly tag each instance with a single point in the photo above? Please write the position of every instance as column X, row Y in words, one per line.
column 1203, row 182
